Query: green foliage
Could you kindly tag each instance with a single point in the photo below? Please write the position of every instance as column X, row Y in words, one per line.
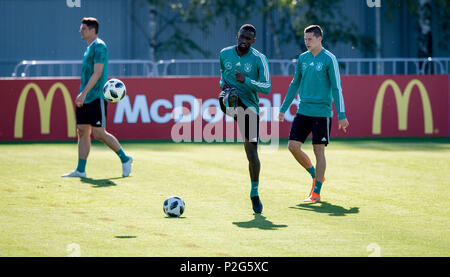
column 297, row 15
column 443, row 11
column 440, row 17
column 293, row 17
column 171, row 34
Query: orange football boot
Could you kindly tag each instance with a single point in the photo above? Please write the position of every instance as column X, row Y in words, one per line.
column 312, row 188
column 313, row 198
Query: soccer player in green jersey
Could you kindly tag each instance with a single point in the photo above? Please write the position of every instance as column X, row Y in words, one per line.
column 90, row 102
column 246, row 70
column 318, row 82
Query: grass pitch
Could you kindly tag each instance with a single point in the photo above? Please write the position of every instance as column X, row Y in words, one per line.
column 381, row 197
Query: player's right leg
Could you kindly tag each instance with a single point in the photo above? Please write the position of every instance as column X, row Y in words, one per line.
column 300, row 129
column 84, row 140
column 84, row 146
column 295, row 147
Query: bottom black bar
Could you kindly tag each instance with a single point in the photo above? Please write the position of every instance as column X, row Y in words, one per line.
column 204, row 266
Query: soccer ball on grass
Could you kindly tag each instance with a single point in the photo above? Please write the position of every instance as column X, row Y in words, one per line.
column 174, row 206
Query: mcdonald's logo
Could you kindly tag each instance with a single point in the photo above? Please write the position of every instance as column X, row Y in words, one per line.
column 45, row 104
column 402, row 105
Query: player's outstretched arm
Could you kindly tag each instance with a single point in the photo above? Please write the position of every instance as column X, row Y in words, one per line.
column 293, row 88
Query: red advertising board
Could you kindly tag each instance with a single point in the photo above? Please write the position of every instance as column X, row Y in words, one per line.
column 376, row 106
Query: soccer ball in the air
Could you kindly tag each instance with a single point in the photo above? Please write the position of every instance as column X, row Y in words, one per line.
column 114, row 90
column 173, row 206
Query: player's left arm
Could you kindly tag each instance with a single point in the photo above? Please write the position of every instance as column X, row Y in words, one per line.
column 222, row 72
column 263, row 83
column 98, row 70
column 336, row 90
column 100, row 59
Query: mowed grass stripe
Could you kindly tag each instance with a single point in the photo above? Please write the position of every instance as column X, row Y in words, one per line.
column 393, row 193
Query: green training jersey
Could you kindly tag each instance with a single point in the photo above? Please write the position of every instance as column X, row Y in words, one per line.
column 318, row 82
column 96, row 52
column 254, row 66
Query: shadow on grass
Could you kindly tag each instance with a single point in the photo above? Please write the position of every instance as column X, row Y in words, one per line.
column 100, row 183
column 326, row 208
column 125, row 237
column 259, row 222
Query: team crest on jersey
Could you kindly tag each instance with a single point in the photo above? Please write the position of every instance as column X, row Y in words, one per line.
column 228, row 65
column 319, row 66
column 247, row 67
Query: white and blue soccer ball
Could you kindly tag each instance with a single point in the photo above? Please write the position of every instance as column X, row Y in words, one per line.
column 174, row 206
column 114, row 90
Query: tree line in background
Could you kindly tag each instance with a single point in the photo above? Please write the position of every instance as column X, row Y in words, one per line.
column 422, row 13
column 167, row 32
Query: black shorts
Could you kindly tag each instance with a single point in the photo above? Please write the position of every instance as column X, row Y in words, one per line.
column 303, row 125
column 247, row 120
column 93, row 113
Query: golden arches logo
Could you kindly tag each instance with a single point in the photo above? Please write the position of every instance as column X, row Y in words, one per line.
column 45, row 104
column 402, row 101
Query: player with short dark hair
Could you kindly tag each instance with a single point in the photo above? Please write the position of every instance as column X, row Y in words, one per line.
column 244, row 73
column 90, row 102
column 318, row 82
column 91, row 22
column 316, row 30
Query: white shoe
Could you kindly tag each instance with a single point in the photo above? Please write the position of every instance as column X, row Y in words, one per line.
column 75, row 173
column 126, row 167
